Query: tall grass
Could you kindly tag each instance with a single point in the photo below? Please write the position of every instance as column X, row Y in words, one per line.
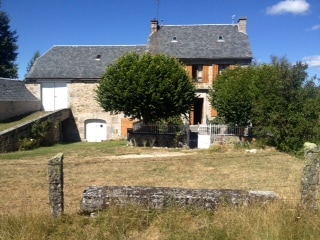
column 275, row 221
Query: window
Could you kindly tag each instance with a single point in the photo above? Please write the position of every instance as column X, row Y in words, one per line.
column 197, row 73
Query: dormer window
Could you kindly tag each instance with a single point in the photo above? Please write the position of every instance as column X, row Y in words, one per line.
column 98, row 57
column 220, row 39
column 174, row 39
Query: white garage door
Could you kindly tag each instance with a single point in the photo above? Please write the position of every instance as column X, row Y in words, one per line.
column 96, row 130
column 54, row 96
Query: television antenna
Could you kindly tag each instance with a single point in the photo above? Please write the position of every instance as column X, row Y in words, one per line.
column 158, row 6
column 233, row 18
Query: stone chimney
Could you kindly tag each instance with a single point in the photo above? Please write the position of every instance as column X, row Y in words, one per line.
column 242, row 25
column 154, row 26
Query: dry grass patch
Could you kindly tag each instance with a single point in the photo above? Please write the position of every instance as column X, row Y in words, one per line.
column 24, row 209
column 23, row 181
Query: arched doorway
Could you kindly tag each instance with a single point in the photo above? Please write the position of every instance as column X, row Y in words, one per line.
column 96, row 130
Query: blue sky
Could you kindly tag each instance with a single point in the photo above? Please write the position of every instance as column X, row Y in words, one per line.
column 289, row 28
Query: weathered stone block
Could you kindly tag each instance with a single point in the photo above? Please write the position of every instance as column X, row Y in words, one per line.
column 97, row 198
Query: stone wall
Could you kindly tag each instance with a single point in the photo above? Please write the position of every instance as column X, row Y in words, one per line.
column 12, row 109
column 10, row 138
column 84, row 107
column 99, row 198
column 16, row 100
column 35, row 89
column 168, row 140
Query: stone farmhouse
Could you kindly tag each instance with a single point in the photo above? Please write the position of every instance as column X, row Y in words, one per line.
column 67, row 76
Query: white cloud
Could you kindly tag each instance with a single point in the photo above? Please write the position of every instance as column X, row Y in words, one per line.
column 312, row 61
column 289, row 6
column 315, row 28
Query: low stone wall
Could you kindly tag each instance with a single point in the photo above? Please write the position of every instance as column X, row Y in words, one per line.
column 99, row 198
column 156, row 140
column 12, row 109
column 9, row 139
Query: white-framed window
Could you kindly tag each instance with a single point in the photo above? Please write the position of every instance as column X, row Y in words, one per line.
column 197, row 73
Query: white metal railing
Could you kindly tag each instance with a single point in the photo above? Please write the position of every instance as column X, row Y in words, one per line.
column 223, row 129
column 217, row 131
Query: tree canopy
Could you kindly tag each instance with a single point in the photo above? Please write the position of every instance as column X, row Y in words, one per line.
column 8, row 48
column 277, row 98
column 35, row 56
column 233, row 94
column 146, row 87
column 286, row 109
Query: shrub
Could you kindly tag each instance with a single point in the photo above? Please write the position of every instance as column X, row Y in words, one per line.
column 28, row 144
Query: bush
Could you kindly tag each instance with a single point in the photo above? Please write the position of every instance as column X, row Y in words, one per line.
column 42, row 134
column 28, row 144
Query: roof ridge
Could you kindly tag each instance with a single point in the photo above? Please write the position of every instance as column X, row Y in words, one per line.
column 120, row 45
column 202, row 24
column 9, row 79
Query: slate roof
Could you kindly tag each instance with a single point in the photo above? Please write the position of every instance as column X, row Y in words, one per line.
column 78, row 62
column 214, row 42
column 14, row 90
column 201, row 42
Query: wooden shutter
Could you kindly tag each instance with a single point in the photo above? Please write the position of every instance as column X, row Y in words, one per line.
column 191, row 117
column 205, row 74
column 189, row 70
column 125, row 124
column 215, row 71
column 214, row 112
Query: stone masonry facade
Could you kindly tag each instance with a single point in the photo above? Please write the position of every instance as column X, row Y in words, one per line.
column 81, row 98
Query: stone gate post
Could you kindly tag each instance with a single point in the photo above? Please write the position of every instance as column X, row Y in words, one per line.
column 56, row 195
column 310, row 177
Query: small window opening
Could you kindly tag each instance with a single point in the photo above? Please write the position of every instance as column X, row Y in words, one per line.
column 220, row 39
column 197, row 71
column 98, row 57
column 174, row 39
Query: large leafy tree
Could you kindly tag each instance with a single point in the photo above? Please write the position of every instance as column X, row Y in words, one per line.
column 277, row 98
column 146, row 87
column 233, row 93
column 286, row 109
column 8, row 48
